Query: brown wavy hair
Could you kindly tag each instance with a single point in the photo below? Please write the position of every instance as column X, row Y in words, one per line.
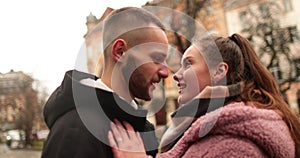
column 260, row 86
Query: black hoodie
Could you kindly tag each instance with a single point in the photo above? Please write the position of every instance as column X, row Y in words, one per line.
column 79, row 117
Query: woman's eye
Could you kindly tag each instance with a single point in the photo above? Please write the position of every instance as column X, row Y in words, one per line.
column 186, row 64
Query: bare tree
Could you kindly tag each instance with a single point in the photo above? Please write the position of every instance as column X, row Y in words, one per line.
column 261, row 25
column 184, row 28
column 21, row 105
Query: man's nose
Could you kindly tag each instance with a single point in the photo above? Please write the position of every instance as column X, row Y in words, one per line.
column 164, row 71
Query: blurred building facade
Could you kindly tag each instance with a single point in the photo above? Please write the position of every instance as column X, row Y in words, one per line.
column 93, row 41
column 18, row 101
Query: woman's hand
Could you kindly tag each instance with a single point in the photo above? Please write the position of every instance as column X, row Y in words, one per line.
column 125, row 142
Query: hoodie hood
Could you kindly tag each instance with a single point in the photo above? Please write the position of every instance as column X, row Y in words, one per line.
column 78, row 110
column 61, row 100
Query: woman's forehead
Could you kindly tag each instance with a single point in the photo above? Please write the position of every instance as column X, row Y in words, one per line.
column 192, row 51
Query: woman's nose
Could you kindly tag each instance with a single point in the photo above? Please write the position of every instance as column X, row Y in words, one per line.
column 177, row 76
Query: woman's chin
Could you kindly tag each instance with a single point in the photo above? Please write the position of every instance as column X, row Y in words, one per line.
column 181, row 100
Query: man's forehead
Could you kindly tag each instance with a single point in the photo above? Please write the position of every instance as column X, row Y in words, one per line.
column 152, row 46
column 150, row 50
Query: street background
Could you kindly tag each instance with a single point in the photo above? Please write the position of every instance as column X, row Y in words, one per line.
column 5, row 152
column 43, row 39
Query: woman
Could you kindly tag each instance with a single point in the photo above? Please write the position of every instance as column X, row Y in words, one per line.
column 255, row 123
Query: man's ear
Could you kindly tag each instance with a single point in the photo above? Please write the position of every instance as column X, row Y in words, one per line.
column 118, row 49
column 220, row 72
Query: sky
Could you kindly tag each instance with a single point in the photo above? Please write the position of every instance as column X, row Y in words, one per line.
column 43, row 37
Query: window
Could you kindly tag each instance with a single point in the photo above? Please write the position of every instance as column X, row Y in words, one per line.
column 243, row 17
column 275, row 70
column 297, row 66
column 250, row 38
column 293, row 34
column 209, row 9
column 213, row 31
column 298, row 98
column 269, row 38
column 265, row 10
column 287, row 4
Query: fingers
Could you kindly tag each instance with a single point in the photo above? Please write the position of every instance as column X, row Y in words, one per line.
column 134, row 136
column 127, row 131
column 113, row 145
column 117, row 133
column 111, row 140
column 118, row 123
column 128, row 126
column 130, row 131
column 122, row 134
column 125, row 139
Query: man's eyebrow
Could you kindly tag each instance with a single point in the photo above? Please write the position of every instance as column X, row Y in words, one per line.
column 159, row 53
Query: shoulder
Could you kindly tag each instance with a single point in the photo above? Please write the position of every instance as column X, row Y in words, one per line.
column 264, row 128
column 237, row 115
column 67, row 136
column 224, row 146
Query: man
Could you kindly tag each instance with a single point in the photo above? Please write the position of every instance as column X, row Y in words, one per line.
column 79, row 111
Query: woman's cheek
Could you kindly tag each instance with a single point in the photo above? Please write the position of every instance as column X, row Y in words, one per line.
column 192, row 88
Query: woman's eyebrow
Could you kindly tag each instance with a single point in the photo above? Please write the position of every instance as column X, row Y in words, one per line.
column 186, row 59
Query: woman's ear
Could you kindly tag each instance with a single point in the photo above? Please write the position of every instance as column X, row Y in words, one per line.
column 118, row 49
column 220, row 72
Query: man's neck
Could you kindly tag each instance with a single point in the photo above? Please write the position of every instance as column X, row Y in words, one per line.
column 106, row 82
column 118, row 85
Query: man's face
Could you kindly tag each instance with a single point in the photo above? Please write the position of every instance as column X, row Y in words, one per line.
column 149, row 61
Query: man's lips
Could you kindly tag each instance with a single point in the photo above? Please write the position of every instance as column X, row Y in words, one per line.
column 154, row 84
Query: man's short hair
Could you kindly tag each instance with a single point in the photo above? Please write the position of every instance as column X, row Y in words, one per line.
column 124, row 20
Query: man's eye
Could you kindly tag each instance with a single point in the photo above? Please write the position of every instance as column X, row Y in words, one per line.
column 157, row 59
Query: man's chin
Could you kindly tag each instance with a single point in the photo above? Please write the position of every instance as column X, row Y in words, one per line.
column 150, row 94
column 145, row 97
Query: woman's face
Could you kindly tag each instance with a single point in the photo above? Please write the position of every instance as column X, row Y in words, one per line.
column 193, row 76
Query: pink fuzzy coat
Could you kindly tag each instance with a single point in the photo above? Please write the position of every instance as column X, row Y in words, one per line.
column 235, row 130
